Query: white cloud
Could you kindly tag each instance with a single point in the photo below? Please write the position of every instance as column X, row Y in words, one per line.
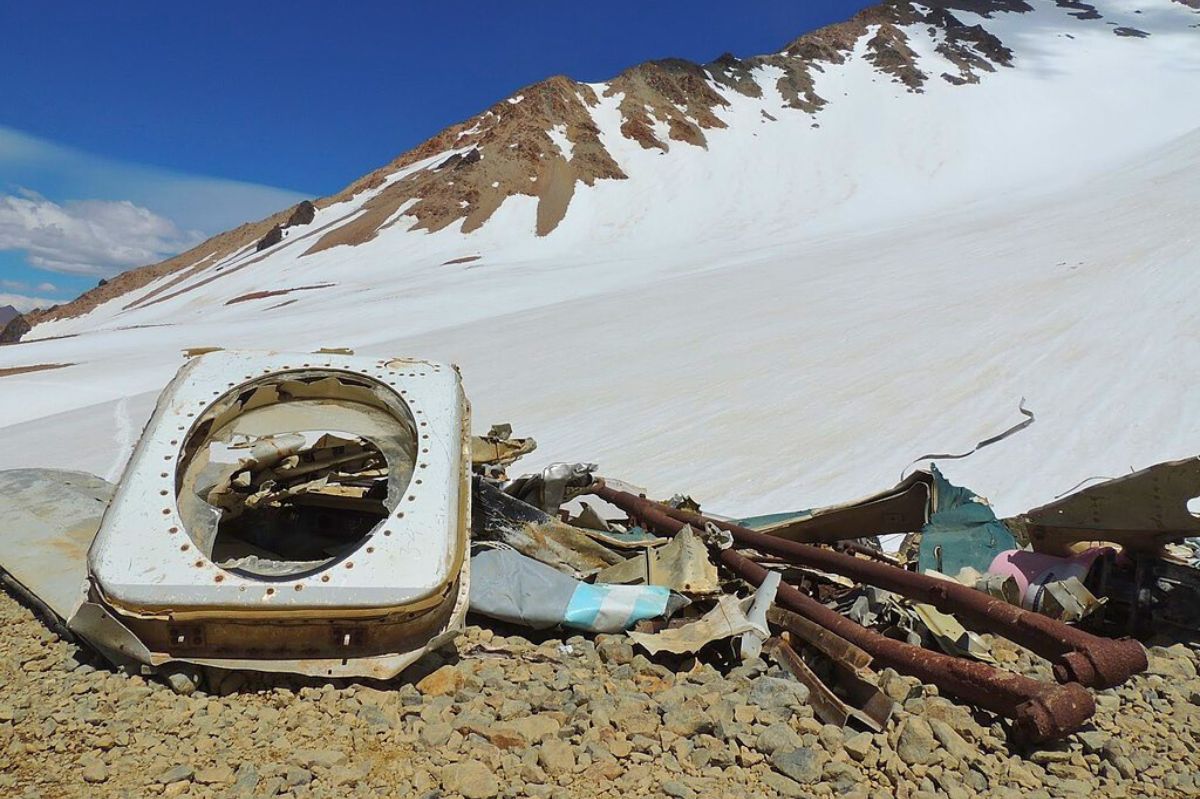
column 88, row 237
column 24, row 303
column 21, row 285
column 192, row 201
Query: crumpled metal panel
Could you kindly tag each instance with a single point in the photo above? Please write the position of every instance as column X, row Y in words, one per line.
column 1140, row 511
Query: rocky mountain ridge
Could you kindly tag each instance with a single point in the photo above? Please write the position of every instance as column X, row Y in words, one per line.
column 544, row 141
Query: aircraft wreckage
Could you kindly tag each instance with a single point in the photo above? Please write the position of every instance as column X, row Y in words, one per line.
column 331, row 515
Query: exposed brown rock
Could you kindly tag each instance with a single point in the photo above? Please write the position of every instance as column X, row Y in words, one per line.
column 259, row 295
column 40, row 367
column 889, row 51
column 16, row 327
column 274, row 236
column 303, row 214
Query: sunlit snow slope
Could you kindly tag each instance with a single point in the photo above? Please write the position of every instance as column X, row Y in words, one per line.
column 781, row 316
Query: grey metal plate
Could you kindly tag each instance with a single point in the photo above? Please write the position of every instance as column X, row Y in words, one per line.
column 48, row 518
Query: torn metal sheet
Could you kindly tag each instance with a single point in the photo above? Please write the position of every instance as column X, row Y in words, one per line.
column 553, row 486
column 1140, row 511
column 499, row 517
column 512, row 587
column 902, row 509
column 727, row 620
column 764, row 598
column 962, row 530
column 950, row 636
column 682, row 564
column 156, row 588
column 498, row 448
column 48, row 519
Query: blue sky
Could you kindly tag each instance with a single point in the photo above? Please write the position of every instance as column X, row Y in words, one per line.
column 131, row 130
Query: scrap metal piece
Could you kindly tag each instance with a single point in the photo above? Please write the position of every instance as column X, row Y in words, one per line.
column 830, row 644
column 49, row 518
column 950, row 636
column 514, row 588
column 178, row 575
column 556, row 484
column 764, row 598
column 828, row 706
column 728, row 619
column 962, row 530
column 901, row 509
column 496, row 516
column 1077, row 656
column 1140, row 511
column 1040, row 711
column 682, row 564
column 498, row 448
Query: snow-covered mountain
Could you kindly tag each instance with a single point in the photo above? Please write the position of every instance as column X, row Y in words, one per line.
column 770, row 281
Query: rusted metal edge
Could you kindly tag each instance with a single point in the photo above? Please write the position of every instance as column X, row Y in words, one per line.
column 828, row 706
column 1040, row 712
column 1077, row 656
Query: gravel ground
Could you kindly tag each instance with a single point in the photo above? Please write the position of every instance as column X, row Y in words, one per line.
column 510, row 717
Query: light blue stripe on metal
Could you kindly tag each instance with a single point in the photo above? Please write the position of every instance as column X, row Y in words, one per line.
column 608, row 608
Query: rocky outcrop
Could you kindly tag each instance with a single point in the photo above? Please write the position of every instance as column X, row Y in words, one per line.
column 14, row 329
column 274, row 236
column 303, row 214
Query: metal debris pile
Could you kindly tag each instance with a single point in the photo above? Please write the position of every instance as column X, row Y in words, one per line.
column 1075, row 582
column 331, row 516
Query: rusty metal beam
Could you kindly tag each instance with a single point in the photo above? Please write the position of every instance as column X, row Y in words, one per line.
column 1040, row 711
column 1075, row 655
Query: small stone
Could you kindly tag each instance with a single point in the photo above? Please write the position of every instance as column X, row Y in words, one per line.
column 916, row 742
column 470, row 778
column 505, row 738
column 536, row 727
column 859, row 746
column 175, row 774
column 436, row 735
column 687, row 721
column 778, row 693
column 215, row 775
column 801, row 764
column 951, row 741
column 322, row 758
column 1093, row 740
column 614, row 650
column 447, row 680
column 776, row 737
column 678, row 790
column 95, row 771
column 556, row 757
column 785, row 786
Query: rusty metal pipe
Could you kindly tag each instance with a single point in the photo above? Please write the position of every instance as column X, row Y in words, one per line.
column 1075, row 655
column 1040, row 711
